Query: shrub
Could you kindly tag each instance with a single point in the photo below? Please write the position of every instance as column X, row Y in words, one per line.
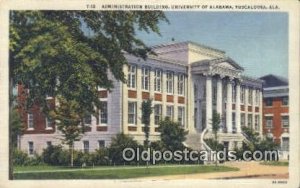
column 101, row 157
column 55, row 155
column 19, row 157
column 172, row 135
column 214, row 145
column 118, row 144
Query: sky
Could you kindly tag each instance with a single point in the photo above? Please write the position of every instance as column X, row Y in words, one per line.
column 256, row 41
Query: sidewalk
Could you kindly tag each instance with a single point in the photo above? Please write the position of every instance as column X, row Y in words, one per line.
column 247, row 170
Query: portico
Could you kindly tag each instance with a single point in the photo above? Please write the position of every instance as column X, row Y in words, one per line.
column 220, row 79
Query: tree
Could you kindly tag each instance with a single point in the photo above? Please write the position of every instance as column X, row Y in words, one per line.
column 15, row 125
column 215, row 122
column 256, row 143
column 146, row 113
column 118, row 144
column 69, row 118
column 52, row 54
column 172, row 134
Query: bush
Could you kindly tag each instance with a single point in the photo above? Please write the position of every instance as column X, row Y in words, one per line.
column 21, row 158
column 55, row 155
column 101, row 157
column 213, row 144
column 172, row 135
column 118, row 144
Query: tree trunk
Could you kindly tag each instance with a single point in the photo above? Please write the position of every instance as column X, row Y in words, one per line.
column 216, row 148
column 72, row 154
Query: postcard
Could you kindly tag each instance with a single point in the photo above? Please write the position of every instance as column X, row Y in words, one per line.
column 148, row 93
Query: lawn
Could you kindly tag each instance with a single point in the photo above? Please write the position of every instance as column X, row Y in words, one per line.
column 276, row 163
column 113, row 172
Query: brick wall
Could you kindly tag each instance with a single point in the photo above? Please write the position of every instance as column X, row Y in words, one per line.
column 276, row 109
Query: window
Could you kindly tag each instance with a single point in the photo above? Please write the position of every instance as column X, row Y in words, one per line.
column 131, row 79
column 49, row 143
column 285, row 144
column 249, row 120
column 243, row 120
column 285, row 121
column 170, row 112
column 30, row 120
column 195, row 117
column 256, row 125
column 157, row 113
column 269, row 102
column 101, row 144
column 181, row 84
column 285, row 101
column 145, row 78
column 181, row 115
column 170, row 80
column 195, row 92
column 49, row 123
column 157, row 80
column 250, row 96
column 224, row 89
column 86, row 146
column 214, row 90
column 233, row 122
column 234, row 94
column 269, row 121
column 257, row 97
column 103, row 112
column 30, row 148
column 242, row 95
column 87, row 119
column 132, row 113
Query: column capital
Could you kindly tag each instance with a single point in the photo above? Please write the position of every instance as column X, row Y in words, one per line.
column 230, row 78
column 222, row 76
column 207, row 74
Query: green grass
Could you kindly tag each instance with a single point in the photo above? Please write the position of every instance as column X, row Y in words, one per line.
column 276, row 163
column 116, row 172
column 38, row 167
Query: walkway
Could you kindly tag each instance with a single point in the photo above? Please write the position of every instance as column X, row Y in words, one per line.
column 247, row 170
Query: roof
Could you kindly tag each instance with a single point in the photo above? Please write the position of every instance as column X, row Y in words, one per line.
column 186, row 43
column 271, row 80
column 217, row 61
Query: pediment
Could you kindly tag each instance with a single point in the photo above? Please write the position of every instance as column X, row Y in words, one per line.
column 227, row 63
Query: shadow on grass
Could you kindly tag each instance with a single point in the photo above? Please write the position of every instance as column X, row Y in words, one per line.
column 122, row 173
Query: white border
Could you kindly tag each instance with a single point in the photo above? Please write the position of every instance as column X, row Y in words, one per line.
column 287, row 5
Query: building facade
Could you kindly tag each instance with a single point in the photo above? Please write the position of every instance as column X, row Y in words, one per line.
column 276, row 111
column 186, row 81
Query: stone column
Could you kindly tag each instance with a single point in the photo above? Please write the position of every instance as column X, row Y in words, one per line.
column 229, row 106
column 139, row 98
column 238, row 108
column 208, row 102
column 260, row 105
column 151, row 80
column 164, row 95
column 190, row 104
column 219, row 97
column 246, row 106
column 175, row 95
column 253, row 108
column 125, row 103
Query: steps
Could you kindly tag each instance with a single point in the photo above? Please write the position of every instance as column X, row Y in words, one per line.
column 193, row 141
